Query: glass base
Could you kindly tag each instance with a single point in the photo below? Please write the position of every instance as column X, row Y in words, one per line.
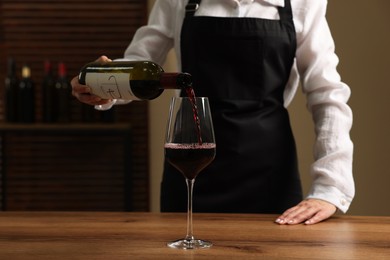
column 190, row 244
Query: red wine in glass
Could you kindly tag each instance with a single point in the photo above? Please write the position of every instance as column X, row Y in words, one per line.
column 190, row 159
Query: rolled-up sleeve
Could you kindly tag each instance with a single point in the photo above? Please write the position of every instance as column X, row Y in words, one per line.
column 327, row 98
column 154, row 40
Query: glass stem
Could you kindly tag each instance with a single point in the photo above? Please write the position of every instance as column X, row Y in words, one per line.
column 190, row 187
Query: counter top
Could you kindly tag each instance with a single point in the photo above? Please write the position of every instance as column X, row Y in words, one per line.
column 128, row 235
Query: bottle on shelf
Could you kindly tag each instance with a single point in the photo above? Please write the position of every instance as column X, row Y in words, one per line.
column 63, row 93
column 26, row 97
column 49, row 105
column 131, row 80
column 11, row 92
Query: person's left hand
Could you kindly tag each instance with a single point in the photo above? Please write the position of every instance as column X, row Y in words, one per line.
column 309, row 211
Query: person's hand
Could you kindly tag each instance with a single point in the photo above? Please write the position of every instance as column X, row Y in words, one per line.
column 309, row 211
column 83, row 92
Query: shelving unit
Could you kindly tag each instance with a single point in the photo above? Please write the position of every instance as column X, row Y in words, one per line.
column 74, row 32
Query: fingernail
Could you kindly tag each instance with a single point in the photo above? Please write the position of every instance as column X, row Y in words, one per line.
column 291, row 221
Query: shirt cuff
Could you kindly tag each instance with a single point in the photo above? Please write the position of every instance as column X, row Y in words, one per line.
column 331, row 195
column 109, row 105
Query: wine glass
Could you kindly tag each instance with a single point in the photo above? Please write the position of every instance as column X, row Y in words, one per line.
column 190, row 147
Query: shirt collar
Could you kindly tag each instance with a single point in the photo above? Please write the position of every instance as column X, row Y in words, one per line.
column 271, row 2
column 275, row 2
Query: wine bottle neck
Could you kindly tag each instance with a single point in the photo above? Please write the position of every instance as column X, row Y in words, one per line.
column 61, row 70
column 26, row 72
column 174, row 80
column 47, row 68
column 11, row 70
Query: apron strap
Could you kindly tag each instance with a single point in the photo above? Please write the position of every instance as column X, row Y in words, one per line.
column 191, row 7
column 285, row 12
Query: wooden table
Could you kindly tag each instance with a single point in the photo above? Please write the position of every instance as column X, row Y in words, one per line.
column 113, row 235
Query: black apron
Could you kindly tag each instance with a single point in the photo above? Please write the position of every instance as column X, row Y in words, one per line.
column 242, row 65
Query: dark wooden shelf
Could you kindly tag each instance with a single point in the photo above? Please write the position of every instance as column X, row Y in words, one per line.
column 4, row 127
column 73, row 32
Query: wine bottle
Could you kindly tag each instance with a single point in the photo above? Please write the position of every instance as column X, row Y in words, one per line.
column 63, row 93
column 49, row 107
column 26, row 100
column 11, row 92
column 130, row 80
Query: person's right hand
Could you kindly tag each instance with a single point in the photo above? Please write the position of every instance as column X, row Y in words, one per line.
column 83, row 92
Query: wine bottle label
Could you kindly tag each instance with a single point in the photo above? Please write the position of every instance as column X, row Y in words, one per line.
column 110, row 85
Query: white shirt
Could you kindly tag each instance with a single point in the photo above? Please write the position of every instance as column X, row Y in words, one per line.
column 315, row 66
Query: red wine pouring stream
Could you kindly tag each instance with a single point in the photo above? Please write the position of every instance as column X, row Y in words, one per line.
column 191, row 95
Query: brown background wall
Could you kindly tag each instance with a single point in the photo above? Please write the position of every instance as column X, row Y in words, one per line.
column 361, row 33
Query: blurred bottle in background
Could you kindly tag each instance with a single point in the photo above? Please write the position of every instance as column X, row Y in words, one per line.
column 49, row 105
column 63, row 94
column 26, row 97
column 11, row 92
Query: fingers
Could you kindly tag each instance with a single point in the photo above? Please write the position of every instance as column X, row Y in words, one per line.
column 103, row 58
column 309, row 211
column 84, row 95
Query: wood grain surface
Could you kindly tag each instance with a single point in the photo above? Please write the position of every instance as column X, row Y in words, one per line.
column 123, row 235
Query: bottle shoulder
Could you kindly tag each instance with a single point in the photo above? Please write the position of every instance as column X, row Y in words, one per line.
column 95, row 65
